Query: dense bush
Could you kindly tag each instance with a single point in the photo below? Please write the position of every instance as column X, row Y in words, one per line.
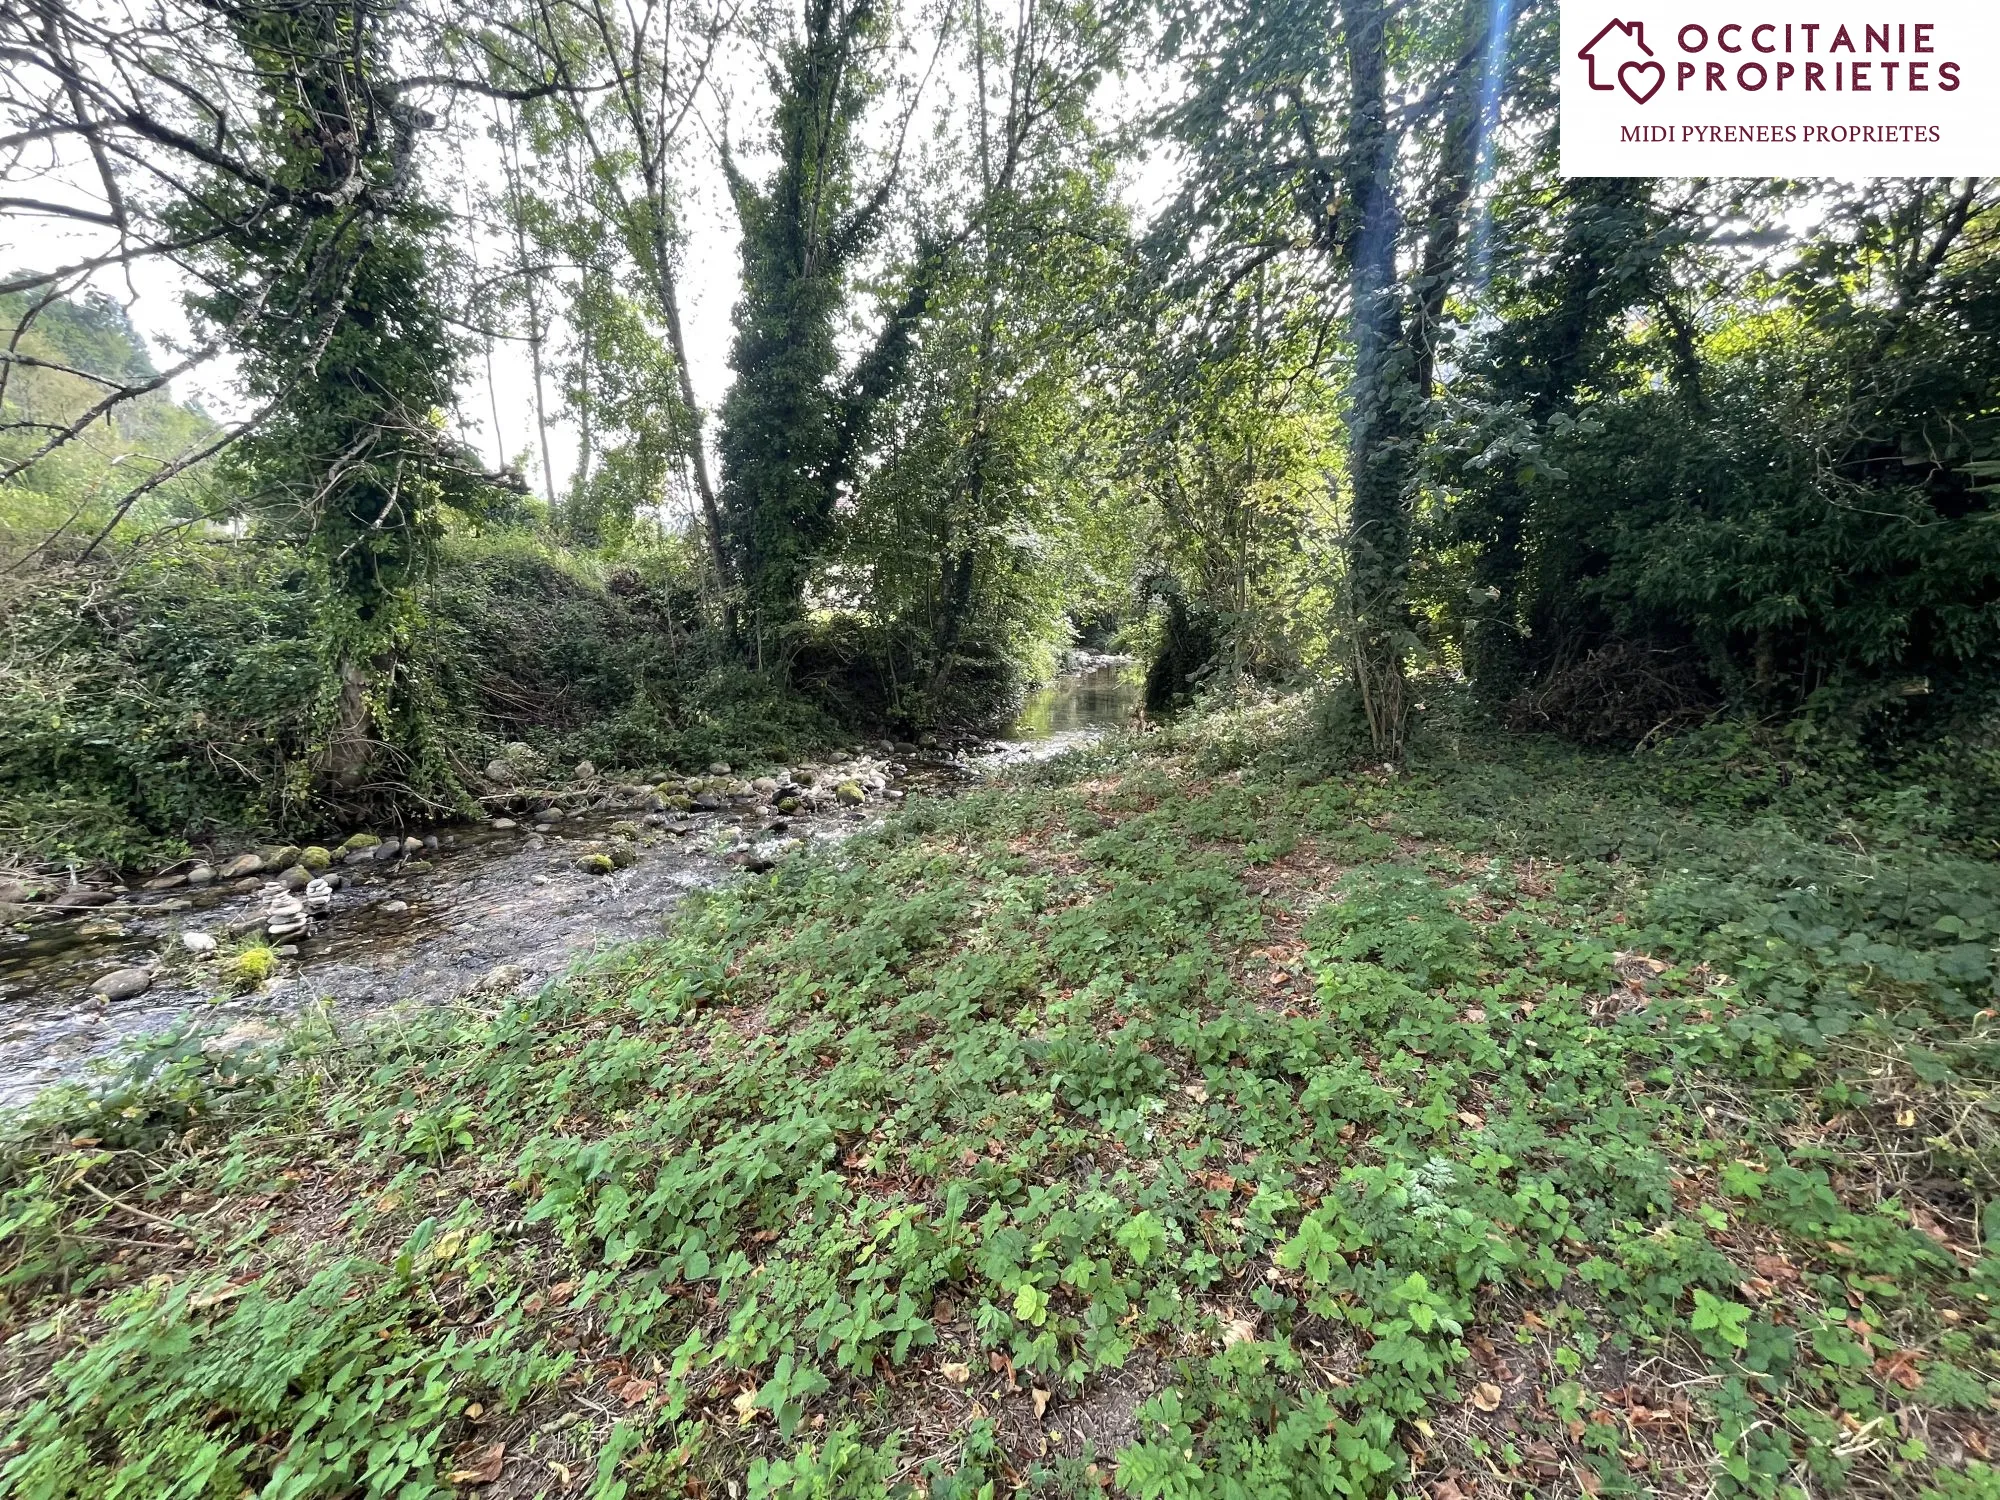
column 1782, row 508
column 143, row 707
column 176, row 700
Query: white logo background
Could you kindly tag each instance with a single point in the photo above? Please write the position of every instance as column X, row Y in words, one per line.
column 1659, row 108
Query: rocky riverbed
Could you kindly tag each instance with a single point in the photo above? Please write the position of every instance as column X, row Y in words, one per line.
column 480, row 908
column 561, row 866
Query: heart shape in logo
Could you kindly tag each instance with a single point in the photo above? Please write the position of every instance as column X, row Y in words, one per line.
column 1651, row 70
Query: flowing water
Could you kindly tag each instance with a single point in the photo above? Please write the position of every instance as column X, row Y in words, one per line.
column 496, row 910
column 1074, row 710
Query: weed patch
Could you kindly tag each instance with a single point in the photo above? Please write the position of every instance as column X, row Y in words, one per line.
column 1171, row 1121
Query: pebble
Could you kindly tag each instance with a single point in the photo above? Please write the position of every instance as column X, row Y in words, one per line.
column 395, row 908
column 502, row 825
column 197, row 942
column 165, row 882
column 719, row 768
column 123, row 984
column 243, row 864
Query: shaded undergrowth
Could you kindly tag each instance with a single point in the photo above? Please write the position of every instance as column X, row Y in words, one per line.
column 1186, row 1120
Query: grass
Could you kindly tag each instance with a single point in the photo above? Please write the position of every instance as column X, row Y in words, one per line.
column 1186, row 1119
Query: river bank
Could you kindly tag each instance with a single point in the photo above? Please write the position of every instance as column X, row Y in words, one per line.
column 1187, row 1117
column 488, row 909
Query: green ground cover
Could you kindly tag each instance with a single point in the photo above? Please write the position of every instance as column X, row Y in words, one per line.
column 1187, row 1118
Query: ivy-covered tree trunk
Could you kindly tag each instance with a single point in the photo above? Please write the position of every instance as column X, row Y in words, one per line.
column 780, row 438
column 1383, row 421
column 794, row 428
column 354, row 366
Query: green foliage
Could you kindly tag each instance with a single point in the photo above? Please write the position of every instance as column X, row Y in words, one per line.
column 1762, row 509
column 346, row 1384
column 66, row 500
column 792, row 429
column 331, row 305
column 173, row 701
column 148, row 705
column 1101, row 1084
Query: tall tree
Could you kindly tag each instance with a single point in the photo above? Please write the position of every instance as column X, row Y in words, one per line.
column 794, row 425
column 1310, row 131
column 630, row 79
column 352, row 363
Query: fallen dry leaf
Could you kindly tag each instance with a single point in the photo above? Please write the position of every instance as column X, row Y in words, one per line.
column 1238, row 1331
column 955, row 1372
column 1486, row 1396
column 1901, row 1367
column 480, row 1467
column 1041, row 1399
column 1774, row 1268
column 1002, row 1364
column 746, row 1406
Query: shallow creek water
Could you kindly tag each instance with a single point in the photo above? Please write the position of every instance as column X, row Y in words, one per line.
column 498, row 911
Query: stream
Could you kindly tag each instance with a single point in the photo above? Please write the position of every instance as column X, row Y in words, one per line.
column 492, row 909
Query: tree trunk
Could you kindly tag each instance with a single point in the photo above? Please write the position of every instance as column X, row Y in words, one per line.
column 1381, row 430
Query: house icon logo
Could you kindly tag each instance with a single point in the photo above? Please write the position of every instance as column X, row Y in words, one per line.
column 1614, row 65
